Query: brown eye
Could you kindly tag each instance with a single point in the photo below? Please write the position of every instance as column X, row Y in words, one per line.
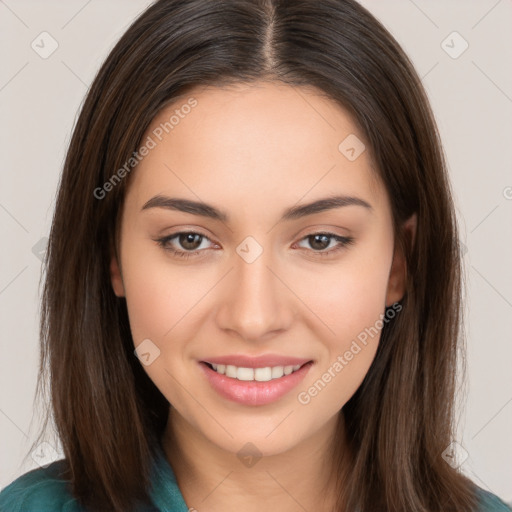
column 184, row 244
column 319, row 242
column 189, row 241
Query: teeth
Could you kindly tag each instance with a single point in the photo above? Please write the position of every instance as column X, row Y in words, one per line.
column 245, row 373
column 263, row 374
column 277, row 372
column 257, row 374
column 231, row 371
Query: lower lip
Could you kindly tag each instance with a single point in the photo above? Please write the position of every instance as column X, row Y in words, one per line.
column 254, row 392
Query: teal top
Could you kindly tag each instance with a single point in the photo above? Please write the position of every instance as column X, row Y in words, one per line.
column 41, row 490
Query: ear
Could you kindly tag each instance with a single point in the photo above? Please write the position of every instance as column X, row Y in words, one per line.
column 116, row 277
column 398, row 273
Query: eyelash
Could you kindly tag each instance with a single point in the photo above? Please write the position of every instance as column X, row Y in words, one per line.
column 343, row 241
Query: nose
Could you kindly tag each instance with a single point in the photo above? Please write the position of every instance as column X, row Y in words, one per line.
column 255, row 301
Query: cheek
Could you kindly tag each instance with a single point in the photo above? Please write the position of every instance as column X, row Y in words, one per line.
column 349, row 346
column 159, row 295
column 347, row 297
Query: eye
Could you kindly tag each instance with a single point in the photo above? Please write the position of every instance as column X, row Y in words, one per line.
column 188, row 240
column 321, row 241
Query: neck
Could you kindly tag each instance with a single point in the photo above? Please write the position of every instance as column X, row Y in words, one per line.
column 211, row 478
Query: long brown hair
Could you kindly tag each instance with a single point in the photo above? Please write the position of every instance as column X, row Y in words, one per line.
column 108, row 414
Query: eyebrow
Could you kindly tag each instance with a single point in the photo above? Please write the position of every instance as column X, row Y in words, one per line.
column 292, row 213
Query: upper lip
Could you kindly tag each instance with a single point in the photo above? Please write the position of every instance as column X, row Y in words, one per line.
column 262, row 361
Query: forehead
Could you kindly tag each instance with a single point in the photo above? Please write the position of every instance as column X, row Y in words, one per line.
column 264, row 114
column 252, row 140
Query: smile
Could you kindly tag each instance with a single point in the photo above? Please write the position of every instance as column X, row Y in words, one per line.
column 253, row 386
column 257, row 374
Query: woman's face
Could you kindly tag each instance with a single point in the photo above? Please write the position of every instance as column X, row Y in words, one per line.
column 256, row 282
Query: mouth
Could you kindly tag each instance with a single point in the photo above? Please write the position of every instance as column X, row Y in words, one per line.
column 263, row 374
column 254, row 385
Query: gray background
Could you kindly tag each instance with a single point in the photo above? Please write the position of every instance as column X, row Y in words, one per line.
column 472, row 99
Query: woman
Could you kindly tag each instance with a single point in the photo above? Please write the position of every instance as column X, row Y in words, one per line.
column 252, row 293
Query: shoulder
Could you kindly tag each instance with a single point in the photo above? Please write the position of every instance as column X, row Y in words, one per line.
column 41, row 490
column 491, row 503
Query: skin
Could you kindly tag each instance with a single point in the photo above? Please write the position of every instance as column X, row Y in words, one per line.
column 254, row 151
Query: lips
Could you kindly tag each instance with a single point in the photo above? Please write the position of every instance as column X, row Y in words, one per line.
column 244, row 390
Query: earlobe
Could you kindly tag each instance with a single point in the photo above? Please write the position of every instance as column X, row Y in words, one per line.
column 116, row 277
column 398, row 273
